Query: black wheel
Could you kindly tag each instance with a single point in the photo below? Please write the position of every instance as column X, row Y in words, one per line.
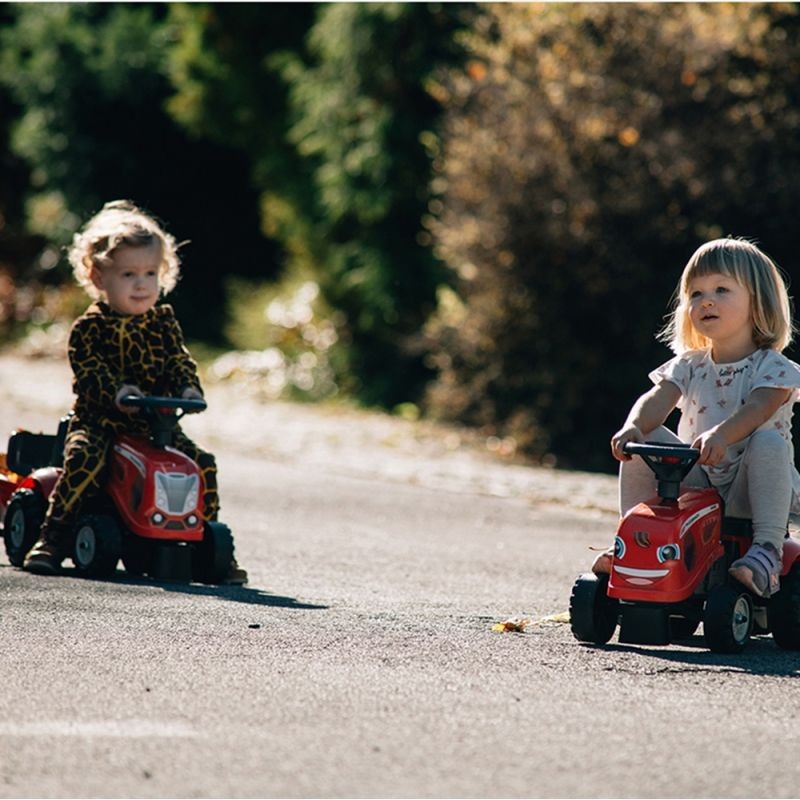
column 212, row 557
column 137, row 555
column 22, row 522
column 592, row 613
column 784, row 611
column 682, row 628
column 728, row 619
column 98, row 545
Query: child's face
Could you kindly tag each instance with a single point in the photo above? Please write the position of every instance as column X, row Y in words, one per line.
column 719, row 308
column 130, row 283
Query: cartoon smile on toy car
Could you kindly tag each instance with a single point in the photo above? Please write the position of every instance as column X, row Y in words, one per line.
column 642, row 558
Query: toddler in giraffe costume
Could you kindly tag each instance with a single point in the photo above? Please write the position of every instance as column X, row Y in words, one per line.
column 123, row 344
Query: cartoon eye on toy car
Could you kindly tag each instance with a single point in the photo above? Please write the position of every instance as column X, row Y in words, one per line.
column 149, row 514
column 670, row 566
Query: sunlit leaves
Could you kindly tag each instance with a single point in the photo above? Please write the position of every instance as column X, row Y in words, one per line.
column 588, row 149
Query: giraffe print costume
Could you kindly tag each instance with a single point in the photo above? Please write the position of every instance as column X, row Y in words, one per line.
column 108, row 350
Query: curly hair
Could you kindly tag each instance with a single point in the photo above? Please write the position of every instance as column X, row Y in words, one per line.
column 121, row 223
column 771, row 311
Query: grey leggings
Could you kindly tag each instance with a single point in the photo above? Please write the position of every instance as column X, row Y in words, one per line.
column 761, row 490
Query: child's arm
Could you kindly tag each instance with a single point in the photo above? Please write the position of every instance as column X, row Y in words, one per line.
column 760, row 406
column 93, row 380
column 181, row 368
column 648, row 412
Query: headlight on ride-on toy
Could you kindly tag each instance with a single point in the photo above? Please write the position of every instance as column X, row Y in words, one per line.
column 668, row 552
column 619, row 547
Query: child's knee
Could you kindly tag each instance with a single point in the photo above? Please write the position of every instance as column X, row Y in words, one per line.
column 767, row 444
column 85, row 461
column 662, row 435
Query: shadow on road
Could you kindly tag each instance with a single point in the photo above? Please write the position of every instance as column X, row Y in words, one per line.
column 761, row 657
column 235, row 594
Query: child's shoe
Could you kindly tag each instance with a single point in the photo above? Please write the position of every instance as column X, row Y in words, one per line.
column 759, row 569
column 44, row 558
column 236, row 575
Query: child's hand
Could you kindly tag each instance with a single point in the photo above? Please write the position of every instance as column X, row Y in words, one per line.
column 190, row 393
column 630, row 433
column 126, row 390
column 712, row 446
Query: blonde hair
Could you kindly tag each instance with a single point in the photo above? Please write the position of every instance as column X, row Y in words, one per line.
column 121, row 223
column 770, row 306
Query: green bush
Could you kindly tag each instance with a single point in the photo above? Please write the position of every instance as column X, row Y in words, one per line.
column 329, row 102
column 89, row 84
column 587, row 150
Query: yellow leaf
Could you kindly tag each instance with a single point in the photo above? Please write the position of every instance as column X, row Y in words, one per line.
column 562, row 617
column 515, row 625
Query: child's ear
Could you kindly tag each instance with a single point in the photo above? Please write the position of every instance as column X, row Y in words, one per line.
column 96, row 277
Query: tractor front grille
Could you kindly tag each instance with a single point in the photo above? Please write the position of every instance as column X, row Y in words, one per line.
column 176, row 493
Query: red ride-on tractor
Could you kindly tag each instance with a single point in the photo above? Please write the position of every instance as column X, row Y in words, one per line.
column 149, row 513
column 670, row 571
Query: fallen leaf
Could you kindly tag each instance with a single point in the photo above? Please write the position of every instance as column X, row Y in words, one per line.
column 515, row 625
column 562, row 617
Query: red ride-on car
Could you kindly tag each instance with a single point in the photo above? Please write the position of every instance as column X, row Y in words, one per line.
column 670, row 571
column 149, row 513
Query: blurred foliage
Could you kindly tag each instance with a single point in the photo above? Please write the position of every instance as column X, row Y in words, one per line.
column 285, row 338
column 227, row 87
column 588, row 149
column 336, row 130
column 362, row 116
column 493, row 201
column 18, row 246
column 90, row 83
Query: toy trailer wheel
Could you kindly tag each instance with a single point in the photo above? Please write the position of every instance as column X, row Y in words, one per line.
column 592, row 613
column 784, row 611
column 98, row 544
column 728, row 619
column 212, row 557
column 22, row 522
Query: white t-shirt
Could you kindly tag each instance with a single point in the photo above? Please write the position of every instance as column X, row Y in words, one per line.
column 711, row 392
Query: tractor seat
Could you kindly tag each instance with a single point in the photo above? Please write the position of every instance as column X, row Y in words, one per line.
column 741, row 527
column 31, row 451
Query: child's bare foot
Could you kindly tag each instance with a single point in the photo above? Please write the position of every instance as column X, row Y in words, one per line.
column 602, row 564
column 759, row 569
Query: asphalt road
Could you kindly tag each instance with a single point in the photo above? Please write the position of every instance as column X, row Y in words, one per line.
column 361, row 660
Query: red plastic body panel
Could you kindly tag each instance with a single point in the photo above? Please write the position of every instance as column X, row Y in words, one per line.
column 132, row 485
column 791, row 553
column 9, row 483
column 692, row 523
column 41, row 480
